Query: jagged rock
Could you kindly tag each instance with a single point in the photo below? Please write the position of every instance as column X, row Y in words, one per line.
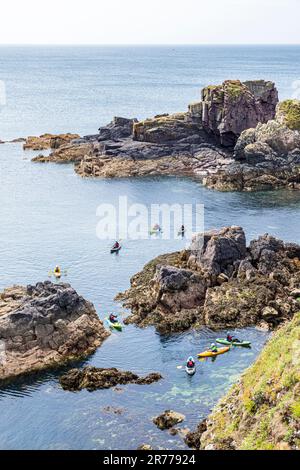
column 192, row 439
column 269, row 155
column 93, row 378
column 232, row 107
column 168, row 419
column 45, row 325
column 219, row 282
column 47, row 141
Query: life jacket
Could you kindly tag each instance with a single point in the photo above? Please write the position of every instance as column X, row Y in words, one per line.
column 190, row 364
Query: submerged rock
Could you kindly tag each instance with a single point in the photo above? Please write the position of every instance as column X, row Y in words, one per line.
column 219, row 282
column 93, row 378
column 45, row 325
column 168, row 419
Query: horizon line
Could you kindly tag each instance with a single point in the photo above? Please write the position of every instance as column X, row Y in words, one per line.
column 143, row 44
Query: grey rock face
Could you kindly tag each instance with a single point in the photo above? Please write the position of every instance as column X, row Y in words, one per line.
column 44, row 325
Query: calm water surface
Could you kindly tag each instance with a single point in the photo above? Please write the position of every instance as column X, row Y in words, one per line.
column 48, row 216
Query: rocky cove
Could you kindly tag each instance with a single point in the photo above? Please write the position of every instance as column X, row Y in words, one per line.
column 239, row 137
column 183, row 144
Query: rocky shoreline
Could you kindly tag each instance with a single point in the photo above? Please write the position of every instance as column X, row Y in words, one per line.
column 45, row 325
column 237, row 138
column 220, row 282
column 261, row 411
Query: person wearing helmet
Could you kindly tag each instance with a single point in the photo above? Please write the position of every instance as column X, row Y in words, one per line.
column 213, row 348
column 113, row 318
column 190, row 363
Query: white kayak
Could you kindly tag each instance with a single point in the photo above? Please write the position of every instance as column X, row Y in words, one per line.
column 190, row 370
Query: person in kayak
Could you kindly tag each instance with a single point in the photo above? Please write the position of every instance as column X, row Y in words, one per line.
column 190, row 363
column 57, row 270
column 182, row 230
column 157, row 228
column 113, row 318
column 213, row 348
column 232, row 339
column 116, row 246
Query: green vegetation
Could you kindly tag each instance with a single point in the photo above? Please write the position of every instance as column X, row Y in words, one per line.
column 290, row 110
column 234, row 89
column 262, row 412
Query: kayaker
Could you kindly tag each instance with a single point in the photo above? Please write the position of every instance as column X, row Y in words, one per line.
column 116, row 245
column 190, row 363
column 57, row 269
column 182, row 229
column 213, row 348
column 232, row 339
column 157, row 228
column 113, row 318
column 229, row 337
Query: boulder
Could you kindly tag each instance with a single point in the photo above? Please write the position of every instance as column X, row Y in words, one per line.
column 168, row 419
column 45, row 325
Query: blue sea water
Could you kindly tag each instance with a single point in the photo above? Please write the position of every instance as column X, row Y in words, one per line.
column 48, row 216
column 59, row 89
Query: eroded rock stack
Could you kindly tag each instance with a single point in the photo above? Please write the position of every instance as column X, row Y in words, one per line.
column 267, row 156
column 45, row 325
column 219, row 282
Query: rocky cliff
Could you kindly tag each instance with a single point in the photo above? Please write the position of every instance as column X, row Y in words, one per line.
column 45, row 325
column 219, row 282
column 262, row 411
column 267, row 156
column 198, row 142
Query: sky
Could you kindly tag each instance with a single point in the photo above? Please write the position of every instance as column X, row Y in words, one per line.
column 150, row 22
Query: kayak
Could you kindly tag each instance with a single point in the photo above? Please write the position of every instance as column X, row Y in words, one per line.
column 115, row 249
column 190, row 370
column 155, row 232
column 213, row 354
column 116, row 326
column 245, row 344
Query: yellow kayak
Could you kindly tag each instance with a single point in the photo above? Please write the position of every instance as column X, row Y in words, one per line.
column 212, row 354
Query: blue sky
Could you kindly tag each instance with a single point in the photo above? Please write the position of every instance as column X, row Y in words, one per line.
column 150, row 21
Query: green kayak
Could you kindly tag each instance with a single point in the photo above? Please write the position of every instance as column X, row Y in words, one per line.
column 116, row 326
column 245, row 344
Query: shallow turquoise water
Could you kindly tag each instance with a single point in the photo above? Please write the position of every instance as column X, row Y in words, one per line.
column 48, row 216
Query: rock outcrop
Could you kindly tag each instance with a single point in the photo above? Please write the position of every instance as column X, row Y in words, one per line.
column 47, row 141
column 228, row 109
column 195, row 143
column 262, row 411
column 45, row 325
column 219, row 282
column 267, row 156
column 168, row 419
column 93, row 378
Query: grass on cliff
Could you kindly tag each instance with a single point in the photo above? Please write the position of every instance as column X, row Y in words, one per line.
column 291, row 111
column 266, row 404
